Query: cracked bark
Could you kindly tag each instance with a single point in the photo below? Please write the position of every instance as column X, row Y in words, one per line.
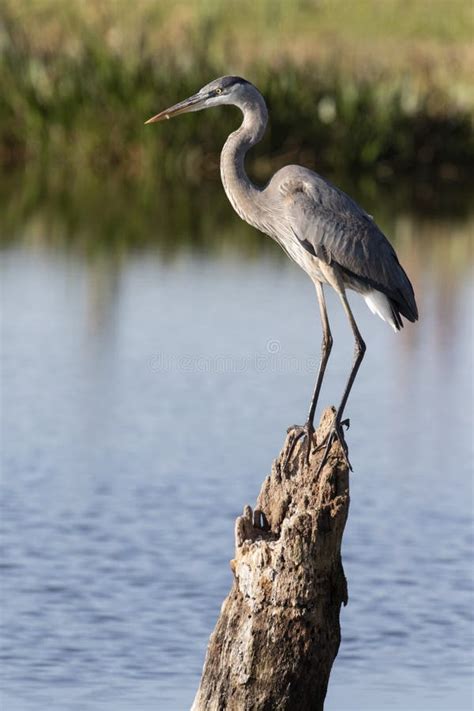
column 278, row 631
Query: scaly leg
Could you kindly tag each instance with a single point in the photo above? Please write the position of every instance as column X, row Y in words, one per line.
column 359, row 351
column 326, row 345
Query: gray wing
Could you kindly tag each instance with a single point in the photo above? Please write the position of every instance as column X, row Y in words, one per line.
column 332, row 227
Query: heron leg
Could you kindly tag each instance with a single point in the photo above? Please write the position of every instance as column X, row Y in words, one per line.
column 326, row 345
column 359, row 351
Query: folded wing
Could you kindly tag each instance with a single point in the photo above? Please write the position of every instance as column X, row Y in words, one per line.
column 332, row 227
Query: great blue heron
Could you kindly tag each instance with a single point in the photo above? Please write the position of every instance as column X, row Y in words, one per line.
column 320, row 227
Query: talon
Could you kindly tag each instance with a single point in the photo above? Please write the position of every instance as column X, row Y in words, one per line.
column 307, row 431
column 335, row 433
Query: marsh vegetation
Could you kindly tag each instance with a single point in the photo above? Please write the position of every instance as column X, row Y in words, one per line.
column 352, row 87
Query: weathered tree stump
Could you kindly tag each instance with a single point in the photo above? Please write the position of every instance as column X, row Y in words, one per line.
column 278, row 632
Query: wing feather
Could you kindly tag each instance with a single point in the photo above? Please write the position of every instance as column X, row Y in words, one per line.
column 332, row 227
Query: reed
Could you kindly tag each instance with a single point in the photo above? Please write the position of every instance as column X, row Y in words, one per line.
column 350, row 86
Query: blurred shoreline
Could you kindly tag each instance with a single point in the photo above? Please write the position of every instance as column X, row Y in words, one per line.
column 352, row 88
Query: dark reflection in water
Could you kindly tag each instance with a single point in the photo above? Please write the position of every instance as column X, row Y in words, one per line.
column 146, row 388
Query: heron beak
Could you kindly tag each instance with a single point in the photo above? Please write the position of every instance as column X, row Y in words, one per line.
column 194, row 103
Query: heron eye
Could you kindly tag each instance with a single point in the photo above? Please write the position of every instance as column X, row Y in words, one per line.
column 218, row 91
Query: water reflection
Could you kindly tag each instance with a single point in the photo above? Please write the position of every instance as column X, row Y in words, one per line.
column 122, row 477
column 105, row 225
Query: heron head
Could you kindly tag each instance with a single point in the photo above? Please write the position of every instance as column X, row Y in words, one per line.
column 225, row 90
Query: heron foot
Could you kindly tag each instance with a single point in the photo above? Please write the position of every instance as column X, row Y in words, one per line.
column 335, row 433
column 307, row 431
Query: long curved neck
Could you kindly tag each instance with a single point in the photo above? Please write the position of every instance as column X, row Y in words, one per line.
column 240, row 190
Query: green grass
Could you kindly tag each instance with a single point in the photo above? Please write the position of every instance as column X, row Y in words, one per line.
column 377, row 86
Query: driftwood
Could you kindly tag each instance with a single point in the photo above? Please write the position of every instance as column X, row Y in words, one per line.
column 278, row 632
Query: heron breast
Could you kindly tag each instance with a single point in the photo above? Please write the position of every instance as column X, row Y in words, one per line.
column 302, row 257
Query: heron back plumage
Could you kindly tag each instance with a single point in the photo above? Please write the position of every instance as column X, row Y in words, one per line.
column 334, row 229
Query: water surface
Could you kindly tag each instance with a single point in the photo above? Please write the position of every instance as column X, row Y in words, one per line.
column 145, row 393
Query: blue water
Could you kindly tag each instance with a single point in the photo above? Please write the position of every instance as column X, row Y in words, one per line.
column 143, row 403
